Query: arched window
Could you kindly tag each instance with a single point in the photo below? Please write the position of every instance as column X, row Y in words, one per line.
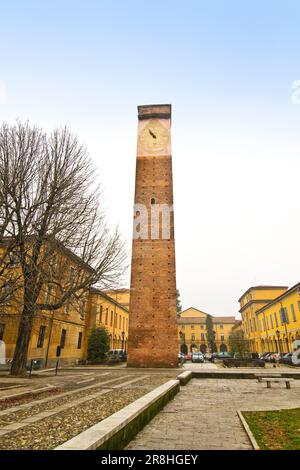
column 152, row 201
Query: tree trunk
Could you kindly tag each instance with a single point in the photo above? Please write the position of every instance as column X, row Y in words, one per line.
column 19, row 363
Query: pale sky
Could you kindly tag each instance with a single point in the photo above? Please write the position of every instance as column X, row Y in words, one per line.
column 227, row 68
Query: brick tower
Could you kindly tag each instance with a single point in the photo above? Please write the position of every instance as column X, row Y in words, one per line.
column 152, row 322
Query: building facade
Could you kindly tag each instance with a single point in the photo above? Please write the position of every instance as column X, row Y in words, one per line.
column 68, row 326
column 271, row 317
column 192, row 331
column 120, row 295
column 153, row 328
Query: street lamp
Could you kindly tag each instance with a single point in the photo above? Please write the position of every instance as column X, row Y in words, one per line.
column 278, row 341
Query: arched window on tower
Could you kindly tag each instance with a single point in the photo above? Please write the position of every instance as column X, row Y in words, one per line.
column 152, row 201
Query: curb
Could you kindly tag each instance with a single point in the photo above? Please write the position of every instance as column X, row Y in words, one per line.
column 248, row 431
column 29, row 392
column 184, row 377
column 116, row 431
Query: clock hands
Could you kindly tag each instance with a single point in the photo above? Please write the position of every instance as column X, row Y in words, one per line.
column 152, row 134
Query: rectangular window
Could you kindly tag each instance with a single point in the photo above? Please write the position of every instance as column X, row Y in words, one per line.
column 2, row 328
column 202, row 337
column 222, row 338
column 6, row 292
column 63, row 338
column 293, row 312
column 79, row 340
column 111, row 318
column 193, row 337
column 120, row 320
column 14, row 259
column 101, row 312
column 106, row 316
column 284, row 315
column 41, row 337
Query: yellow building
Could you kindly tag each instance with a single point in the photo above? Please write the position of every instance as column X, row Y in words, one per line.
column 107, row 312
column 272, row 322
column 120, row 295
column 279, row 322
column 68, row 326
column 251, row 301
column 193, row 333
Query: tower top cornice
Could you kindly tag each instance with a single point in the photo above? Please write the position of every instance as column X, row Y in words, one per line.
column 154, row 111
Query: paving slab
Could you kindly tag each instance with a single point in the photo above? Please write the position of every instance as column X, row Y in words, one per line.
column 204, row 416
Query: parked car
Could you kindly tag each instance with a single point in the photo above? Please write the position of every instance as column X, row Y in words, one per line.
column 188, row 357
column 208, row 356
column 224, row 355
column 269, row 356
column 274, row 357
column 265, row 356
column 197, row 357
column 120, row 354
column 261, row 356
column 287, row 359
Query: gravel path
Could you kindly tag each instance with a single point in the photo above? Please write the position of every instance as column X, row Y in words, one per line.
column 53, row 431
column 12, row 417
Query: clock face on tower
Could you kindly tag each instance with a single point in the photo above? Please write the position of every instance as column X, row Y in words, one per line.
column 154, row 138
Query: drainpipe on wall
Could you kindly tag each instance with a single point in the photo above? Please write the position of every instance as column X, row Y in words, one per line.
column 49, row 340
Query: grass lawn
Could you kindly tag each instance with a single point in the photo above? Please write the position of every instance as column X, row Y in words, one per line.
column 275, row 430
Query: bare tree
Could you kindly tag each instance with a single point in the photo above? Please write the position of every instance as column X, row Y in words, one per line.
column 50, row 206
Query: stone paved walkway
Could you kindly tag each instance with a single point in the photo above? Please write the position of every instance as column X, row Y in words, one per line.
column 203, row 415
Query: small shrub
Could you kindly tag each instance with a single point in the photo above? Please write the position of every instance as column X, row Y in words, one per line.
column 98, row 344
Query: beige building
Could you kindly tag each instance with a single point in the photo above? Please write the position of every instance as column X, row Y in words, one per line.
column 192, row 331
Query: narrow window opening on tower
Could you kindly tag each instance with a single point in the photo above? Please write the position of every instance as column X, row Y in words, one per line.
column 152, row 201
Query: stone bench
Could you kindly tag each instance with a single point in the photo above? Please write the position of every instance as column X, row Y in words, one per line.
column 276, row 380
column 272, row 376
